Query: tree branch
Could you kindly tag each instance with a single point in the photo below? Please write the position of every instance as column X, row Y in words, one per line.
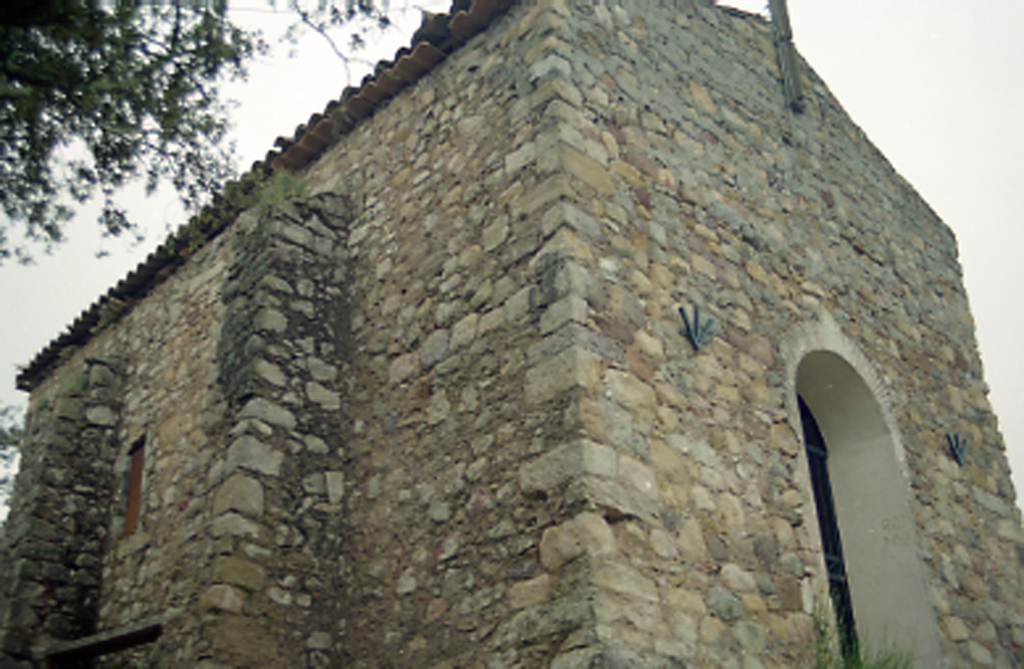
column 322, row 31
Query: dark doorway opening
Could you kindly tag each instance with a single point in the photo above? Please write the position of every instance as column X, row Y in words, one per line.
column 828, row 524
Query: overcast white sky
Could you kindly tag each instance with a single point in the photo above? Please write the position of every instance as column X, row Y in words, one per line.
column 938, row 85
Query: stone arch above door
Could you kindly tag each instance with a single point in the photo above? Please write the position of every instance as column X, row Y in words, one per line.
column 823, row 334
column 869, row 479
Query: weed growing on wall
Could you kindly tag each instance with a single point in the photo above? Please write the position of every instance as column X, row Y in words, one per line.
column 282, row 186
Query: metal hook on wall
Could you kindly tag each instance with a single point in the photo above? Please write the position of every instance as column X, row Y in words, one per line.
column 697, row 332
column 957, row 446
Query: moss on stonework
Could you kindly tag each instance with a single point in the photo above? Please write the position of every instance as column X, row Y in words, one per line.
column 257, row 188
column 239, row 344
column 282, row 186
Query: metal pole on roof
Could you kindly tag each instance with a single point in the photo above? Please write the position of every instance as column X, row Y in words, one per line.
column 787, row 55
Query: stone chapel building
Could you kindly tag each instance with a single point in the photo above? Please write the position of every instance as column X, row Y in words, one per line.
column 587, row 333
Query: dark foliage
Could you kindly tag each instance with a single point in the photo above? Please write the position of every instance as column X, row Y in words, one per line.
column 93, row 97
column 10, row 427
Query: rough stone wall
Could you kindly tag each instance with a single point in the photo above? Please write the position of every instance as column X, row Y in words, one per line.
column 703, row 190
column 456, row 424
column 55, row 536
column 447, row 286
column 150, row 376
column 542, row 468
column 275, row 486
column 227, row 374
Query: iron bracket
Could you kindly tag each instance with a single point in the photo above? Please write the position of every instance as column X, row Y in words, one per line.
column 697, row 332
column 957, row 446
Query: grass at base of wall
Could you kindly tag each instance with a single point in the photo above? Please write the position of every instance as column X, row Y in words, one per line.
column 827, row 654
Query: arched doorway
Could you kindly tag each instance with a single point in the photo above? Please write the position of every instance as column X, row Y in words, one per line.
column 878, row 564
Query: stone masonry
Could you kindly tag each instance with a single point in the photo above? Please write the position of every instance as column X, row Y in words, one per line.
column 438, row 411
